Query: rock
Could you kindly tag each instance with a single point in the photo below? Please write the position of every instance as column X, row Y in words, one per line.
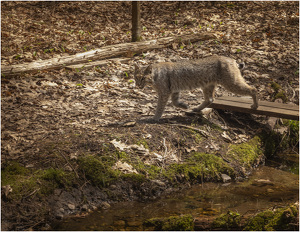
column 104, row 205
column 113, row 187
column 57, row 192
column 225, row 178
column 262, row 182
column 134, row 223
column 85, row 207
column 158, row 182
column 71, row 206
column 119, row 223
column 271, row 123
column 59, row 216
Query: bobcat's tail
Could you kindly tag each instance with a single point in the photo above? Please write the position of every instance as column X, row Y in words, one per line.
column 241, row 65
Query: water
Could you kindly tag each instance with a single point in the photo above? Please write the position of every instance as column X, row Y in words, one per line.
column 267, row 187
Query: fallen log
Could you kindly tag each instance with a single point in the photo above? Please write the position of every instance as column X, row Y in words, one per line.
column 110, row 51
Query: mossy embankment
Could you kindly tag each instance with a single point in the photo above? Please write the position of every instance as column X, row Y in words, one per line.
column 280, row 219
column 139, row 163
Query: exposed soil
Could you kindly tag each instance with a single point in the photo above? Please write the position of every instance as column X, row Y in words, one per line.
column 56, row 125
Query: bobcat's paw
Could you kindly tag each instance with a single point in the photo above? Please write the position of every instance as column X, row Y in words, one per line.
column 182, row 105
column 254, row 106
column 196, row 110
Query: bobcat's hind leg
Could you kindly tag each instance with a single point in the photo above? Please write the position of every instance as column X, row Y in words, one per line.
column 161, row 104
column 177, row 103
column 243, row 88
column 208, row 92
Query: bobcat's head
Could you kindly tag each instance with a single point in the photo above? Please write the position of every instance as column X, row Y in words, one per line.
column 142, row 76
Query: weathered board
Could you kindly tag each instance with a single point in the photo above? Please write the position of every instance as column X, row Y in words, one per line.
column 243, row 104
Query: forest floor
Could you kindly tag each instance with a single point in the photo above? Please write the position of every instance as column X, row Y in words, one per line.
column 73, row 140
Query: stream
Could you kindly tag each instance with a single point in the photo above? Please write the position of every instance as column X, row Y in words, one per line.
column 267, row 187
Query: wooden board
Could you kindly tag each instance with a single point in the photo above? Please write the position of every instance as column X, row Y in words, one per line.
column 243, row 104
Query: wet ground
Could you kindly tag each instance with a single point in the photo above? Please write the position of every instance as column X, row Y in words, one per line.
column 267, row 187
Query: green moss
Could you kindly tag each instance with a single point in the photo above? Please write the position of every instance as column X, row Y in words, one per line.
column 246, row 153
column 227, row 221
column 137, row 178
column 144, row 143
column 56, row 178
column 19, row 178
column 282, row 95
column 174, row 223
column 293, row 132
column 25, row 181
column 197, row 136
column 11, row 171
column 198, row 167
column 275, row 86
column 279, row 93
column 98, row 172
column 280, row 219
column 276, row 142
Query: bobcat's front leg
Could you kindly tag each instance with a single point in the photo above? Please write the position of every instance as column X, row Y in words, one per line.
column 208, row 92
column 177, row 103
column 161, row 104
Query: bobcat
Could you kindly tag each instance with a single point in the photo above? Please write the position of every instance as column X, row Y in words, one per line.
column 170, row 78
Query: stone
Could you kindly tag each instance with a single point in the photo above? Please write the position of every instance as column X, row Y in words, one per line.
column 85, row 207
column 271, row 123
column 158, row 182
column 119, row 223
column 104, row 205
column 71, row 206
column 225, row 178
column 134, row 223
column 59, row 216
column 57, row 192
column 113, row 187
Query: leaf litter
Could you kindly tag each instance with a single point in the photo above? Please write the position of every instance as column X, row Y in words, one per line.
column 76, row 111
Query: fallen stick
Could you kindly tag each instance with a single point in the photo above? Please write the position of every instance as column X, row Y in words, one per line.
column 110, row 51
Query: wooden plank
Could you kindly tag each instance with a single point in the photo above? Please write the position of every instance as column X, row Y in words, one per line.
column 243, row 104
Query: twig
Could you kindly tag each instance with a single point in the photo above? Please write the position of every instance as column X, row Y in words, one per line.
column 202, row 132
column 217, row 113
column 69, row 164
column 166, row 151
column 32, row 193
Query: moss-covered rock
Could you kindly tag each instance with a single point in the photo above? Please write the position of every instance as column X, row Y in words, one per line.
column 199, row 167
column 275, row 142
column 280, row 219
column 174, row 223
column 246, row 154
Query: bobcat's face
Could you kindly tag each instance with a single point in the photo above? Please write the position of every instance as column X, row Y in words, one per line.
column 139, row 77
